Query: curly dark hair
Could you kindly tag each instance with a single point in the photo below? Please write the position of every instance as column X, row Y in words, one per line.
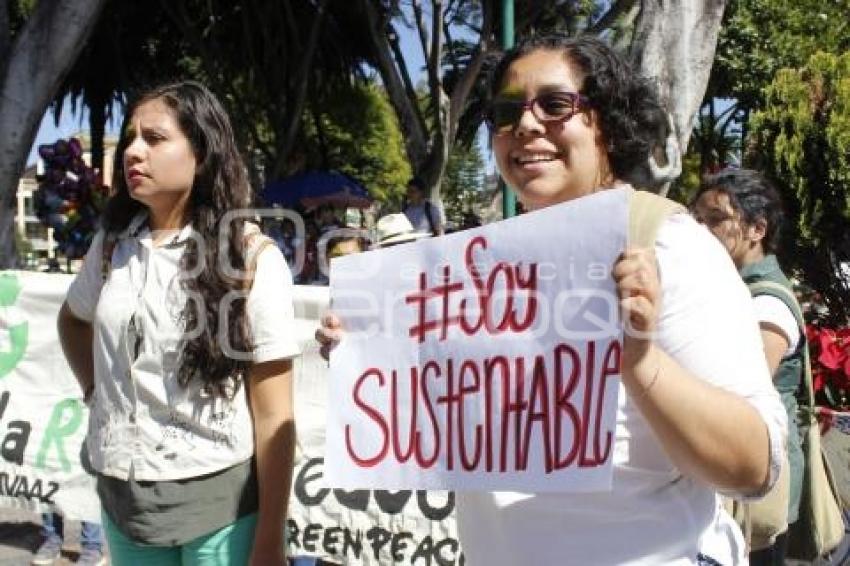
column 220, row 185
column 754, row 196
column 631, row 118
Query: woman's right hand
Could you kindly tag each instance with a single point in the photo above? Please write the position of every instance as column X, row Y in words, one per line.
column 329, row 334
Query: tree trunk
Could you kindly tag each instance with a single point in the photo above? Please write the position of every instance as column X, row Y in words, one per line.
column 674, row 45
column 97, row 131
column 42, row 53
column 411, row 124
column 428, row 147
column 290, row 133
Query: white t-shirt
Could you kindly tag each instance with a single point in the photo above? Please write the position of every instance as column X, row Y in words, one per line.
column 654, row 515
column 772, row 310
column 418, row 214
column 141, row 417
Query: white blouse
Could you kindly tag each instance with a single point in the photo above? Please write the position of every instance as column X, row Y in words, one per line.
column 141, row 418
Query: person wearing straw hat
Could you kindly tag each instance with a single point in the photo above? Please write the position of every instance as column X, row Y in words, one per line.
column 395, row 229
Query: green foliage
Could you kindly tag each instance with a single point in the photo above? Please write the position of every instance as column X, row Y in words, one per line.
column 759, row 37
column 19, row 11
column 354, row 130
column 686, row 185
column 716, row 139
column 24, row 7
column 462, row 189
column 802, row 139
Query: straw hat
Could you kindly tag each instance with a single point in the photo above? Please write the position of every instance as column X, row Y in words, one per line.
column 395, row 229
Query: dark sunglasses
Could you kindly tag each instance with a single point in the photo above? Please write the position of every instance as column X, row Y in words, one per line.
column 505, row 113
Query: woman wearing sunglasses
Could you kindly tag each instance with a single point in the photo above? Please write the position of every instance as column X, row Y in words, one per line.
column 697, row 413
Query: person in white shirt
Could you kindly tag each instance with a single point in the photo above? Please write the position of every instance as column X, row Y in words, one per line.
column 697, row 414
column 424, row 215
column 180, row 330
column 744, row 211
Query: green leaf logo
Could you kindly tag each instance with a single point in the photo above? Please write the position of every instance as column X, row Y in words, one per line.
column 12, row 323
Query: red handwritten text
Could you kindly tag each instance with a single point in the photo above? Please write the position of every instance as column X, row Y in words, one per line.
column 486, row 414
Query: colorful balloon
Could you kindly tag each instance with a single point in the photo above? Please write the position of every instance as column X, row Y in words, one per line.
column 69, row 197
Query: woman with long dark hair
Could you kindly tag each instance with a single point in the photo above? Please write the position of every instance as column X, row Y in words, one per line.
column 180, row 330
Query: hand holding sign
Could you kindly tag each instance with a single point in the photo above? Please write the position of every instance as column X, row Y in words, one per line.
column 639, row 291
column 329, row 334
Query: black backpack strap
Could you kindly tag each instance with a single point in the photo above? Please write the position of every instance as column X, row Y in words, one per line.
column 429, row 208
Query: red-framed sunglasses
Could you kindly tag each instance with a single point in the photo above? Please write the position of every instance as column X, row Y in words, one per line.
column 504, row 113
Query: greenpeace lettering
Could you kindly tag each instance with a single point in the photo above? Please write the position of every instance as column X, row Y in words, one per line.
column 389, row 502
column 521, row 409
column 479, row 373
column 368, row 540
column 375, row 543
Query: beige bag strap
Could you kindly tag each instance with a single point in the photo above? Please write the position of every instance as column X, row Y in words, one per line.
column 647, row 212
column 760, row 287
column 255, row 242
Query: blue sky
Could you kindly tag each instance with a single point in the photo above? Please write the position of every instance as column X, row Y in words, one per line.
column 71, row 123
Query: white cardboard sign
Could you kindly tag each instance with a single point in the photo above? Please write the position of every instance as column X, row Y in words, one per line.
column 483, row 360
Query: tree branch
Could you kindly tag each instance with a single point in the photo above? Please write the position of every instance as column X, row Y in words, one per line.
column 415, row 136
column 674, row 45
column 533, row 13
column 420, row 28
column 303, row 80
column 435, row 81
column 616, row 10
column 470, row 75
column 401, row 65
column 293, row 29
column 5, row 34
column 451, row 52
column 181, row 19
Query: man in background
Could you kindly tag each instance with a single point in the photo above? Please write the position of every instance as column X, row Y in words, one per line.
column 424, row 215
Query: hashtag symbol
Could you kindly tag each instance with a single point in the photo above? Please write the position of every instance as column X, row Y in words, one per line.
column 423, row 295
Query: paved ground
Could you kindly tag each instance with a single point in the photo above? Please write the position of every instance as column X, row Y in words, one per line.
column 20, row 537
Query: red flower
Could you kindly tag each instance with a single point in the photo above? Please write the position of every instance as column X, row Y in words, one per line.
column 832, row 355
column 812, row 334
column 830, row 359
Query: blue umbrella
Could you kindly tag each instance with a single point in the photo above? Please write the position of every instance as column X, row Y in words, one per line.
column 317, row 188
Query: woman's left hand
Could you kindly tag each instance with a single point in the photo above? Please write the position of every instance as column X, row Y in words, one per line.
column 639, row 293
